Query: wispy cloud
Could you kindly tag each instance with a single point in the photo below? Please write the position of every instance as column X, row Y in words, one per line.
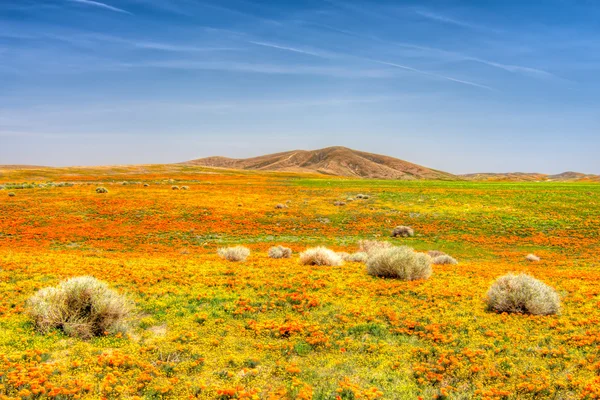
column 449, row 20
column 289, row 48
column 275, row 69
column 434, row 75
column 101, row 5
column 447, row 55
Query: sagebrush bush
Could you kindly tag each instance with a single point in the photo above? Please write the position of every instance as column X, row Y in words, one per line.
column 399, row 262
column 236, row 253
column 320, row 256
column 280, row 206
column 280, row 252
column 83, row 307
column 185, row 187
column 359, row 256
column 369, row 246
column 339, row 203
column 435, row 253
column 174, row 187
column 532, row 258
column 444, row 259
column 101, row 190
column 403, row 231
column 522, row 294
column 11, row 194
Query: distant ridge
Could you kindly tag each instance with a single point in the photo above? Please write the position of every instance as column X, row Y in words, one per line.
column 337, row 161
column 533, row 177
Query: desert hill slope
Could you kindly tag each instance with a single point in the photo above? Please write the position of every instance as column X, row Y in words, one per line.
column 338, row 161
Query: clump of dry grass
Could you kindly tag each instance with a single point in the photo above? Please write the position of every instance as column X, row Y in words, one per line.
column 280, row 252
column 403, row 231
column 369, row 246
column 362, row 196
column 435, row 253
column 101, row 190
column 174, row 187
column 83, row 307
column 281, row 206
column 320, row 256
column 532, row 258
column 522, row 294
column 185, row 187
column 236, row 253
column 399, row 262
column 11, row 194
column 444, row 259
column 339, row 203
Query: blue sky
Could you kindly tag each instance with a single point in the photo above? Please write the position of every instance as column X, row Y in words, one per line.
column 462, row 86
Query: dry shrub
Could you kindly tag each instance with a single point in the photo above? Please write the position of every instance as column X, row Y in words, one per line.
column 435, row 253
column 444, row 259
column 101, row 190
column 184, row 187
column 280, row 206
column 146, row 185
column 532, row 258
column 236, row 253
column 320, row 256
column 83, row 307
column 403, row 231
column 370, row 246
column 359, row 256
column 399, row 262
column 175, row 187
column 522, row 294
column 11, row 194
column 339, row 203
column 280, row 252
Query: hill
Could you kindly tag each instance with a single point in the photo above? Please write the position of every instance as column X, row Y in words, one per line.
column 338, row 161
column 533, row 177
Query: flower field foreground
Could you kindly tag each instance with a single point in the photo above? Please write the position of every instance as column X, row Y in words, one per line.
column 271, row 328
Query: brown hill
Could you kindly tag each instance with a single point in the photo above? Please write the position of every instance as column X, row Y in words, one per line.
column 338, row 161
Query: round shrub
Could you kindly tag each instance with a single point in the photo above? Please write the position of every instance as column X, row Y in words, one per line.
column 83, row 307
column 522, row 294
column 101, row 190
column 236, row 254
column 11, row 194
column 360, row 256
column 399, row 262
column 403, row 231
column 532, row 258
column 175, row 187
column 320, row 256
column 339, row 203
column 444, row 259
column 185, row 187
column 435, row 253
column 280, row 252
column 280, row 206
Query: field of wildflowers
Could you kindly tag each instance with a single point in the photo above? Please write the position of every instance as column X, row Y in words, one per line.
column 271, row 328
